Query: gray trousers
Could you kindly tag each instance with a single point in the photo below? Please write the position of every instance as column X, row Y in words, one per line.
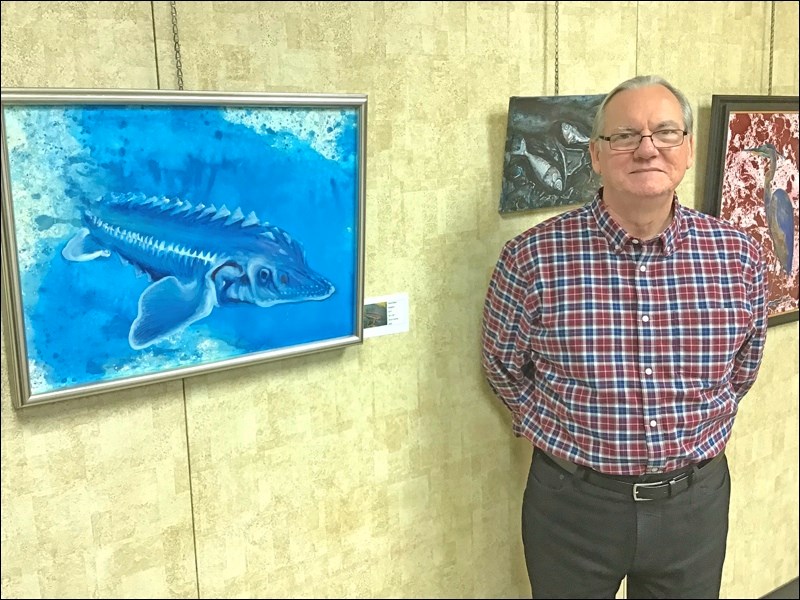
column 581, row 540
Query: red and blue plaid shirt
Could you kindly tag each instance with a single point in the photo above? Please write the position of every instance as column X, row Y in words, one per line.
column 623, row 355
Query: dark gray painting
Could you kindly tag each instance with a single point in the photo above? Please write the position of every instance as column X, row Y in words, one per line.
column 547, row 160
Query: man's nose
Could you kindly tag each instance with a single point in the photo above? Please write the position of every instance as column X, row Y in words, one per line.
column 646, row 147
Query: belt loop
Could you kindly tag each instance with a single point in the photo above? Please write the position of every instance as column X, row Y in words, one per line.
column 695, row 472
column 673, row 483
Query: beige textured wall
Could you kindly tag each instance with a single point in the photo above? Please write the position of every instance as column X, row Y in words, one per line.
column 386, row 469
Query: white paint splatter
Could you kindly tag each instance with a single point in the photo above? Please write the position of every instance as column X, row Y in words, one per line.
column 320, row 128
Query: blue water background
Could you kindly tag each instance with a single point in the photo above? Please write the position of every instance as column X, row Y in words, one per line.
column 292, row 168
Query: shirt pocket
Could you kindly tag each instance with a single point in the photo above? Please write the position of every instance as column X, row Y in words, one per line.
column 706, row 340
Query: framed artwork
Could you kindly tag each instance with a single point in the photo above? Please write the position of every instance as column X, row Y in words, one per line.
column 546, row 161
column 752, row 182
column 152, row 235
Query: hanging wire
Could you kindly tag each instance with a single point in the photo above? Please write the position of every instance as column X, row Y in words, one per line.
column 771, row 43
column 178, row 66
column 556, row 42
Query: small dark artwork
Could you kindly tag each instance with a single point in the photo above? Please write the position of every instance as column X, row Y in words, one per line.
column 375, row 315
column 547, row 160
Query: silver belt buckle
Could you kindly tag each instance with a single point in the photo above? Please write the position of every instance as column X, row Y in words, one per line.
column 636, row 487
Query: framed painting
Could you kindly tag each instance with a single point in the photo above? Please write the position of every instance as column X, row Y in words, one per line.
column 752, row 182
column 152, row 235
column 546, row 161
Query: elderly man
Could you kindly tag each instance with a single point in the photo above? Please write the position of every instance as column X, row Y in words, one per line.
column 622, row 336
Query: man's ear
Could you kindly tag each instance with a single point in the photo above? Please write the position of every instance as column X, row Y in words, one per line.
column 594, row 152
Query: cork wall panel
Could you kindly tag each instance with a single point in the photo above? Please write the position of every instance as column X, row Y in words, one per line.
column 786, row 47
column 386, row 469
column 77, row 44
column 763, row 458
column 96, row 497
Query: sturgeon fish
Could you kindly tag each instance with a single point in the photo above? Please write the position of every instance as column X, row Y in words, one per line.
column 198, row 257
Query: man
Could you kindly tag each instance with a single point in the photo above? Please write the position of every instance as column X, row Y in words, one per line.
column 622, row 336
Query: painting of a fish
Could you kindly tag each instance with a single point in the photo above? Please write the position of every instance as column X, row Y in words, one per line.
column 546, row 161
column 200, row 257
column 164, row 235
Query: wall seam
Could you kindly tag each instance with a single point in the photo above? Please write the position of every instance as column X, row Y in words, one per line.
column 183, row 381
column 155, row 43
column 191, row 489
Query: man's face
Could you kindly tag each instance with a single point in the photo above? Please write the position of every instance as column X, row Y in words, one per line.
column 647, row 171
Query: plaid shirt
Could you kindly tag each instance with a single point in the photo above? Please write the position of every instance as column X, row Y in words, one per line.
column 625, row 356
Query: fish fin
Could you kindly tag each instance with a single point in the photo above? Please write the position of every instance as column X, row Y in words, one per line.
column 181, row 207
column 209, row 211
column 235, row 217
column 167, row 306
column 83, row 247
column 221, row 213
column 251, row 220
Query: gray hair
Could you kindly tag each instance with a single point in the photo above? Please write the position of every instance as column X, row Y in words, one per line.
column 636, row 83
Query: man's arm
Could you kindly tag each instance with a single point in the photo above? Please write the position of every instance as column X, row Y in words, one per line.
column 748, row 360
column 506, row 332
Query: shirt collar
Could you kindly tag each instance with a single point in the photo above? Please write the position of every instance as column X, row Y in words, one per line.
column 619, row 240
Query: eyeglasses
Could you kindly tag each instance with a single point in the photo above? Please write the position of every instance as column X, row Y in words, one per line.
column 628, row 142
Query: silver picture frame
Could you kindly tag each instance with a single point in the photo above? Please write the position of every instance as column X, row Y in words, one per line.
column 155, row 235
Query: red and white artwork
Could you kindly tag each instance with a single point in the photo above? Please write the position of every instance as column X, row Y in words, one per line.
column 760, row 187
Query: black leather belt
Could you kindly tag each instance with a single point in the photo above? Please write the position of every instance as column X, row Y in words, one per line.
column 681, row 481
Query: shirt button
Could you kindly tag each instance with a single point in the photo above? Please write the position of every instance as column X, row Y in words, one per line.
column 645, row 318
column 643, row 268
column 648, row 371
column 653, row 423
column 635, row 241
column 652, row 469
